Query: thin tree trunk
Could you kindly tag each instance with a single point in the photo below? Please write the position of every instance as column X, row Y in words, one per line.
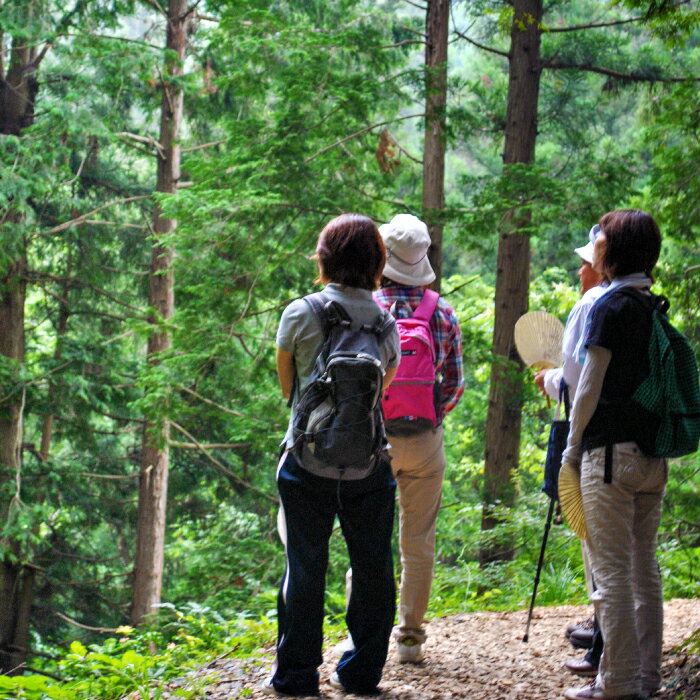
column 61, row 326
column 512, row 278
column 18, row 89
column 153, row 482
column 437, row 27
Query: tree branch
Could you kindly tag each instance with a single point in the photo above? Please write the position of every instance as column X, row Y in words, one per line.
column 70, row 620
column 360, row 133
column 204, row 145
column 406, row 42
column 224, row 470
column 505, row 54
column 625, row 77
column 143, row 139
column 210, row 445
column 81, row 219
column 592, row 25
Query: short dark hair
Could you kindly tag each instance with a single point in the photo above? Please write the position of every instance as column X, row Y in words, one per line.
column 633, row 242
column 351, row 252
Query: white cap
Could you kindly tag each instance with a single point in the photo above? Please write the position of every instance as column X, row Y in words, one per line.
column 585, row 252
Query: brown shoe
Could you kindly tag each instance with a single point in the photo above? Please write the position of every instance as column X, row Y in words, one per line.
column 581, row 668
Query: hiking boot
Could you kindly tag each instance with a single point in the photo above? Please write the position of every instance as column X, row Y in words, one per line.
column 591, row 692
column 581, row 668
column 586, row 624
column 580, row 634
column 409, row 650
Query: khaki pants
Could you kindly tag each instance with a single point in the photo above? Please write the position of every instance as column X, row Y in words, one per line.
column 418, row 464
column 623, row 518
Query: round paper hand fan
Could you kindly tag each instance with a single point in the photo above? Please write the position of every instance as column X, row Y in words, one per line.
column 570, row 499
column 538, row 337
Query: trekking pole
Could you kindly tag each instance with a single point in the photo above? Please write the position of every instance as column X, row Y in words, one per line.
column 539, row 567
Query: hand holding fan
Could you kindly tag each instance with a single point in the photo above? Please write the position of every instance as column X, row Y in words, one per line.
column 538, row 338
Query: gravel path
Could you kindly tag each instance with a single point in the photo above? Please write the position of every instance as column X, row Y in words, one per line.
column 480, row 656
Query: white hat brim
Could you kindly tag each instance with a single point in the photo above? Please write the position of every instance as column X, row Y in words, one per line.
column 416, row 275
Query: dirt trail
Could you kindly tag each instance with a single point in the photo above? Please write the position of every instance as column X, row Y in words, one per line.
column 480, row 656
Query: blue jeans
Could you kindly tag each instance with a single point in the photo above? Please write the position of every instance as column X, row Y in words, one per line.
column 365, row 509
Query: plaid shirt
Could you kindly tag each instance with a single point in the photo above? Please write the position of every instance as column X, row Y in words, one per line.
column 446, row 334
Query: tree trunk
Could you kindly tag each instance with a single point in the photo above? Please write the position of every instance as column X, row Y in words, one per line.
column 153, row 482
column 18, row 89
column 512, row 278
column 436, row 28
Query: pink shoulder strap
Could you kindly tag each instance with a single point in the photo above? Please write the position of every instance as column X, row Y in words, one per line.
column 427, row 305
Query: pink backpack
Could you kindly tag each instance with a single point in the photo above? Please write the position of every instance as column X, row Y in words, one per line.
column 412, row 393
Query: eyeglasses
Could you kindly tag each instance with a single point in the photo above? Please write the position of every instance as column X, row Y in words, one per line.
column 594, row 233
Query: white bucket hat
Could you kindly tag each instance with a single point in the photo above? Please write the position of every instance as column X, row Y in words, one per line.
column 407, row 241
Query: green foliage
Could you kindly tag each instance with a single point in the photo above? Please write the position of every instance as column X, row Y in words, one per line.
column 152, row 663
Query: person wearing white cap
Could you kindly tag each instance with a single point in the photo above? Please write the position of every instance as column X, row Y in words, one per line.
column 417, row 452
column 549, row 380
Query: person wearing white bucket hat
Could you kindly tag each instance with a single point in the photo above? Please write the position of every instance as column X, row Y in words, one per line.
column 416, row 442
column 417, row 449
column 407, row 243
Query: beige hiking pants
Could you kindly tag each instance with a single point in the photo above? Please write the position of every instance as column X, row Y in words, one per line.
column 418, row 464
column 623, row 518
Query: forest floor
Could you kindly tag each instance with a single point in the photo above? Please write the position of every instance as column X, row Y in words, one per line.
column 480, row 656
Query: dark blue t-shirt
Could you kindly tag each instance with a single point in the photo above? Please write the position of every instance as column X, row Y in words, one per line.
column 620, row 322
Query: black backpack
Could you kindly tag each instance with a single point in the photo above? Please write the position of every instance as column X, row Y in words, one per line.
column 669, row 395
column 338, row 420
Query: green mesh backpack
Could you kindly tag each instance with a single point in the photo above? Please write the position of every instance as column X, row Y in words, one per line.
column 669, row 395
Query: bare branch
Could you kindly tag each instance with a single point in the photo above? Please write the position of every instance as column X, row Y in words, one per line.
column 112, row 477
column 101, row 222
column 220, row 467
column 592, row 25
column 155, row 4
column 81, row 219
column 204, row 145
column 406, row 42
column 201, row 398
column 143, row 139
column 625, row 77
column 70, row 620
column 210, row 445
column 191, row 9
column 505, row 54
column 360, row 133
column 415, row 4
column 423, row 35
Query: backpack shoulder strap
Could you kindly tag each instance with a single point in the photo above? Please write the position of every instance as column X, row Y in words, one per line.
column 427, row 305
column 317, row 303
column 383, row 325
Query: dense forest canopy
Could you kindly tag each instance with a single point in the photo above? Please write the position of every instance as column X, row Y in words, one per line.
column 165, row 169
